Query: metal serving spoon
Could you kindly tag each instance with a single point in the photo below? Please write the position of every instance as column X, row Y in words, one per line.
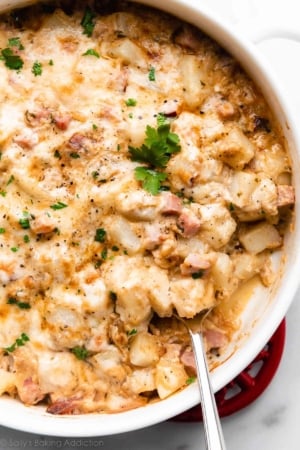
column 212, row 426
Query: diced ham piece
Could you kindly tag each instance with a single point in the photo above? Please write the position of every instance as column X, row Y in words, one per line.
column 62, row 121
column 215, row 339
column 76, row 142
column 30, row 392
column 193, row 263
column 42, row 224
column 188, row 360
column 285, row 195
column 154, row 237
column 189, row 223
column 64, row 406
column 27, row 139
column 171, row 204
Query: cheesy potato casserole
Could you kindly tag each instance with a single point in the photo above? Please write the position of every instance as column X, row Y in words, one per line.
column 142, row 174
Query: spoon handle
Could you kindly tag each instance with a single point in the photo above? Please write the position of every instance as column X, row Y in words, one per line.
column 212, row 426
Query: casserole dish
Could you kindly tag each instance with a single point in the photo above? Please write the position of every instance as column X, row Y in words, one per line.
column 265, row 310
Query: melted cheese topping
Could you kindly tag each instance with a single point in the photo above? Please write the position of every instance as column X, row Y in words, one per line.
column 92, row 265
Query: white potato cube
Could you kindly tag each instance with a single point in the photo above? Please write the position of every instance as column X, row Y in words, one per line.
column 169, row 377
column 235, row 149
column 260, row 237
column 144, row 350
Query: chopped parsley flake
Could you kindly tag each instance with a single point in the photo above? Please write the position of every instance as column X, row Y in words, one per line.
column 80, row 352
column 11, row 60
column 100, row 235
column 87, row 22
column 104, row 254
column 115, row 248
column 151, row 179
column 57, row 154
column 19, row 342
column 91, row 52
column 198, row 274
column 2, row 230
column 15, row 42
column 191, row 380
column 51, row 63
column 132, row 332
column 21, row 305
column 14, row 249
column 37, row 69
column 74, row 155
column 10, row 180
column 151, row 74
column 95, row 126
column 25, row 224
column 3, row 193
column 58, row 205
column 26, row 238
column 130, row 102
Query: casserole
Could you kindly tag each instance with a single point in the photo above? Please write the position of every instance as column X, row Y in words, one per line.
column 254, row 317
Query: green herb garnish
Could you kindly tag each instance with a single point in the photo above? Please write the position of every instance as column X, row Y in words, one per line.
column 130, row 102
column 15, row 42
column 100, row 235
column 198, row 274
column 51, row 63
column 151, row 179
column 191, row 380
column 74, row 155
column 15, row 249
column 11, row 60
column 87, row 22
column 25, row 224
column 151, row 74
column 21, row 305
column 19, row 342
column 132, row 332
column 26, row 238
column 158, row 146
column 104, row 254
column 58, row 205
column 91, row 52
column 3, row 193
column 80, row 352
column 37, row 69
column 2, row 230
column 10, row 180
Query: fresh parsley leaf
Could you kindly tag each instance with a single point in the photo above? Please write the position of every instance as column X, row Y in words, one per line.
column 58, row 205
column 25, row 224
column 151, row 180
column 37, row 69
column 87, row 22
column 130, row 102
column 151, row 74
column 51, row 62
column 100, row 235
column 158, row 146
column 21, row 305
column 2, row 230
column 74, row 155
column 11, row 60
column 14, row 249
column 19, row 342
column 26, row 238
column 80, row 352
column 104, row 254
column 91, row 52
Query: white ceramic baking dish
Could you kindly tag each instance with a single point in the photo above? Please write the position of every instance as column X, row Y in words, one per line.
column 265, row 310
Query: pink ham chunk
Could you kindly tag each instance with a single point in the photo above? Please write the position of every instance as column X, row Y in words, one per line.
column 30, row 392
column 193, row 263
column 285, row 195
column 62, row 121
column 189, row 223
column 171, row 204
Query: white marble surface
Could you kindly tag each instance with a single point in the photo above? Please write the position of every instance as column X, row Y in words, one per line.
column 272, row 421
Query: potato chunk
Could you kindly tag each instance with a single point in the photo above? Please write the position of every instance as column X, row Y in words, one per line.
column 260, row 237
column 144, row 350
column 235, row 149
